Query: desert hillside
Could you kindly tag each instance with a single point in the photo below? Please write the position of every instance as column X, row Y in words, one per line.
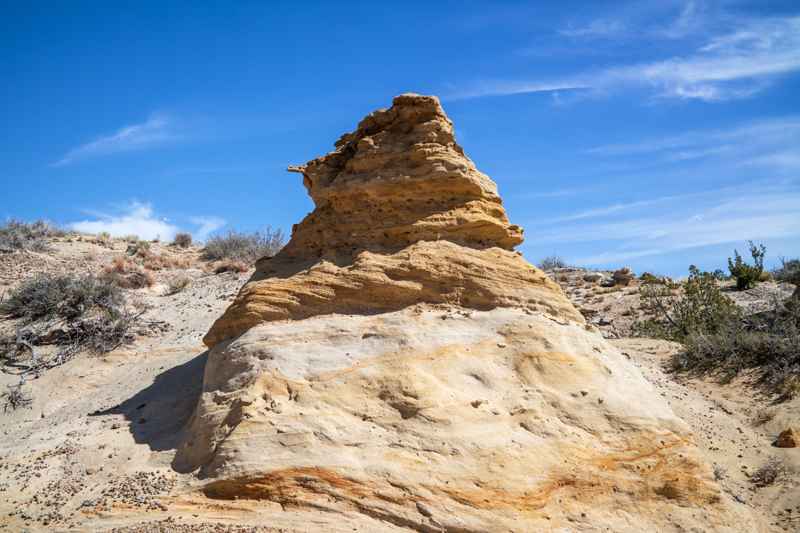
column 396, row 365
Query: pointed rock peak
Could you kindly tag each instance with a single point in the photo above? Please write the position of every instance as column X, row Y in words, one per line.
column 398, row 179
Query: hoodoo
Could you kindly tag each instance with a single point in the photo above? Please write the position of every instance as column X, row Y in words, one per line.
column 399, row 366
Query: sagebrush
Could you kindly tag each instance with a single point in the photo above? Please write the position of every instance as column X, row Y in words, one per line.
column 16, row 236
column 73, row 312
column 246, row 247
column 551, row 262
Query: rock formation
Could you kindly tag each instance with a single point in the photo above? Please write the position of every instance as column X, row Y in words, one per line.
column 399, row 361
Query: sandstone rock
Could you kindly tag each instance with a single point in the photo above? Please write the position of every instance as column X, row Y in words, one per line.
column 623, row 276
column 398, row 361
column 593, row 277
column 788, row 438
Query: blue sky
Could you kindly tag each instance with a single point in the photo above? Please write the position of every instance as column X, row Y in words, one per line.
column 651, row 134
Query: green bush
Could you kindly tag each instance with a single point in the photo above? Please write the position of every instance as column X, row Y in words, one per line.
column 677, row 310
column 768, row 342
column 247, row 247
column 747, row 275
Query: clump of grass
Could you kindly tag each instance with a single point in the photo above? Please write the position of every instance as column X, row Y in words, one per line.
column 244, row 247
column 177, row 284
column 16, row 236
column 552, row 262
column 230, row 265
column 182, row 240
column 125, row 273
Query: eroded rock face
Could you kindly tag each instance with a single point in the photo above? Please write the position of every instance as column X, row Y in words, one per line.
column 399, row 178
column 414, row 370
column 402, row 216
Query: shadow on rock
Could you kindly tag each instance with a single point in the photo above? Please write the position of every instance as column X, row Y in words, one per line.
column 158, row 414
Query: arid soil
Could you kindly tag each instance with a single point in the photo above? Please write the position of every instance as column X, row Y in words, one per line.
column 94, row 451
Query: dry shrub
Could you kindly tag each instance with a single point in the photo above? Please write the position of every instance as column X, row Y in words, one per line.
column 246, row 247
column 552, row 262
column 16, row 235
column 127, row 274
column 16, row 397
column 162, row 261
column 182, row 240
column 768, row 473
column 75, row 312
column 230, row 265
column 177, row 283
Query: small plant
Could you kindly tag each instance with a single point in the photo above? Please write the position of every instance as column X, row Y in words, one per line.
column 747, row 276
column 138, row 248
column 552, row 262
column 131, row 238
column 183, row 240
column 177, row 284
column 245, row 247
column 16, row 397
column 768, row 473
column 789, row 272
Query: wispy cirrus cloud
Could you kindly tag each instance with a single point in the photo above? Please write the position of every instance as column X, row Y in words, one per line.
column 770, row 142
column 156, row 130
column 731, row 65
column 140, row 219
column 595, row 28
column 749, row 213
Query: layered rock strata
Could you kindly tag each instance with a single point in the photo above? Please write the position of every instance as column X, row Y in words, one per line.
column 399, row 361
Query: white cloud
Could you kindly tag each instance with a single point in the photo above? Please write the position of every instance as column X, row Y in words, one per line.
column 136, row 219
column 207, row 226
column 154, row 131
column 734, row 65
column 507, row 88
column 139, row 219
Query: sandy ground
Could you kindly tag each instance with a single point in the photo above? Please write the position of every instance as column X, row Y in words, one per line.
column 94, row 451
